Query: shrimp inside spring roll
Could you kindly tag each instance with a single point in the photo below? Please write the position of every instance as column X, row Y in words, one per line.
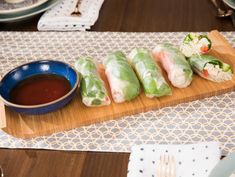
column 122, row 79
column 173, row 61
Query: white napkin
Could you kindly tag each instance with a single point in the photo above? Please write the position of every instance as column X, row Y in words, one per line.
column 59, row 18
column 192, row 160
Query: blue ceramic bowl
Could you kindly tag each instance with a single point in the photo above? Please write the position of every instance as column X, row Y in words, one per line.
column 34, row 68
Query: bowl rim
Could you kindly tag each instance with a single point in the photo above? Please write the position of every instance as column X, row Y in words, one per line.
column 8, row 103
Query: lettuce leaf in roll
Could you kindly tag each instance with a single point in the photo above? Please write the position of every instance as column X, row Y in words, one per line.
column 211, row 68
column 122, row 79
column 149, row 73
column 92, row 86
column 175, row 64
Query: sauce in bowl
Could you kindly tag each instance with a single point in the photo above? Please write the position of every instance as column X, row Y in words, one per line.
column 39, row 89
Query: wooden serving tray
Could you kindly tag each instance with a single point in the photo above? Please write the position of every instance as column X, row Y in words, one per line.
column 76, row 114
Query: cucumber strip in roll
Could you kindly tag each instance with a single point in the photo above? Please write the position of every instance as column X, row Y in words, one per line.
column 149, row 73
column 92, row 86
column 174, row 62
column 122, row 79
column 211, row 68
column 195, row 44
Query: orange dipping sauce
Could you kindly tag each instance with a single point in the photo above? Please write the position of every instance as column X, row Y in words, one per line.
column 40, row 89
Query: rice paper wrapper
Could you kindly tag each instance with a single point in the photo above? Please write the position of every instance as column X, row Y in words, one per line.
column 122, row 79
column 93, row 90
column 149, row 73
column 174, row 62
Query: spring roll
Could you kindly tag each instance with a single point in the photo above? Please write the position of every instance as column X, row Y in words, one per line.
column 211, row 68
column 173, row 61
column 92, row 86
column 123, row 82
column 195, row 44
column 149, row 73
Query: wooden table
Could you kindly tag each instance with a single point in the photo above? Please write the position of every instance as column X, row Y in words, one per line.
column 115, row 15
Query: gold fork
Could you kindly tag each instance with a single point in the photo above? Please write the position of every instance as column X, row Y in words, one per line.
column 166, row 166
column 76, row 11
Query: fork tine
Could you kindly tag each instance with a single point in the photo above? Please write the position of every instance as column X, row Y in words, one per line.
column 159, row 167
column 163, row 166
column 173, row 167
column 166, row 165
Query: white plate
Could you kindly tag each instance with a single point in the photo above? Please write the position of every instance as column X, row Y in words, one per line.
column 28, row 13
column 7, row 8
column 225, row 167
column 230, row 3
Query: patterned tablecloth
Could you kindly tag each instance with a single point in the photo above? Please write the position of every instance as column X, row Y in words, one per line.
column 210, row 119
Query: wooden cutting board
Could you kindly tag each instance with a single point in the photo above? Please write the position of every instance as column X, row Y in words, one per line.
column 75, row 114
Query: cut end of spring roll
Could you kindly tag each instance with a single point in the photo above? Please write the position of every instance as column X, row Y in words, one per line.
column 149, row 73
column 181, row 78
column 211, row 68
column 93, row 90
column 123, row 82
column 195, row 44
column 175, row 64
